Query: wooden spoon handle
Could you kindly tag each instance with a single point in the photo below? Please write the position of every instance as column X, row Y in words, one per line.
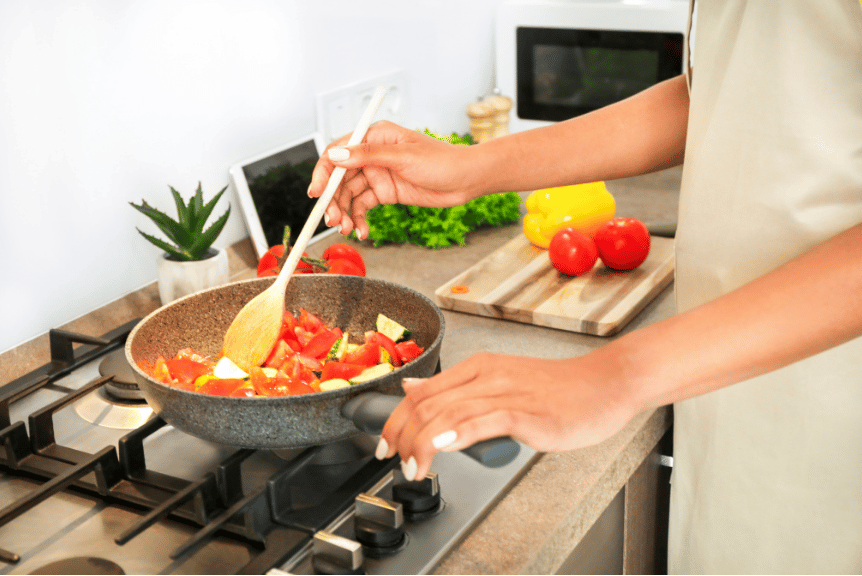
column 331, row 186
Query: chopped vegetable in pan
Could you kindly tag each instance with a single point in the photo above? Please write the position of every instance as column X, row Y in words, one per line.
column 307, row 357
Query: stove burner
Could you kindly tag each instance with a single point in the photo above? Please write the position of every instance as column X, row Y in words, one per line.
column 100, row 409
column 81, row 565
column 119, row 403
column 123, row 384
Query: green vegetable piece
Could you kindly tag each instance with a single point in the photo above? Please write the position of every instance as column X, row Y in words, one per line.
column 372, row 373
column 338, row 350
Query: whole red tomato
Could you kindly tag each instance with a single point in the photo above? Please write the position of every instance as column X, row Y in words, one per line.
column 269, row 263
column 345, row 252
column 623, row 243
column 343, row 266
column 572, row 252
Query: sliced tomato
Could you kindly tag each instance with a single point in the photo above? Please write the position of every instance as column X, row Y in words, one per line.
column 191, row 355
column 303, row 336
column 185, row 370
column 256, row 377
column 244, row 391
column 387, row 344
column 301, row 368
column 279, row 354
column 299, row 387
column 277, row 386
column 221, row 386
column 309, row 322
column 341, row 370
column 288, row 326
column 312, row 364
column 408, row 350
column 161, row 372
column 320, row 343
column 366, row 355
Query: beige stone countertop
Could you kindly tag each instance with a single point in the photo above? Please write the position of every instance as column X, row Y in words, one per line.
column 560, row 497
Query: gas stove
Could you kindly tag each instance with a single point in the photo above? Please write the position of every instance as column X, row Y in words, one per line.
column 92, row 481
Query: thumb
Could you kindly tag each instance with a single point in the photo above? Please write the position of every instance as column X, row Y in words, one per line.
column 367, row 154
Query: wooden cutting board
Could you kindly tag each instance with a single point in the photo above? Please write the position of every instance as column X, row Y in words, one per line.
column 517, row 282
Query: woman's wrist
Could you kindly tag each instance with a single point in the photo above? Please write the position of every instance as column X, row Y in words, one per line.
column 477, row 166
column 631, row 373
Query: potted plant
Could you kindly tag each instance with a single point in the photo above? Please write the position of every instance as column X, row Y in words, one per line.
column 190, row 264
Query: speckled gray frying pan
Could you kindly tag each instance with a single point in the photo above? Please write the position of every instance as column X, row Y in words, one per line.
column 199, row 321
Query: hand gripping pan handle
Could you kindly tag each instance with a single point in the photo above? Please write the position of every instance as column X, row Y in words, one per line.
column 370, row 411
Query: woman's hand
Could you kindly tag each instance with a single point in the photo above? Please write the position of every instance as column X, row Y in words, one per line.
column 548, row 404
column 393, row 165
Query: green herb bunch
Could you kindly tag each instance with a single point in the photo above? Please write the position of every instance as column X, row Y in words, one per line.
column 441, row 227
column 191, row 240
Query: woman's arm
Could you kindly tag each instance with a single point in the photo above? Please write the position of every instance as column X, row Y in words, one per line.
column 643, row 133
column 808, row 305
column 640, row 134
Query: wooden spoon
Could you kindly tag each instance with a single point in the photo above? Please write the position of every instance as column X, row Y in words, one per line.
column 253, row 333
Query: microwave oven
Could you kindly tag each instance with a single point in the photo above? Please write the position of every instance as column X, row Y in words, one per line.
column 558, row 59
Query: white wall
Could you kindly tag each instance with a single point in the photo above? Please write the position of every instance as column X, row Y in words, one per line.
column 103, row 102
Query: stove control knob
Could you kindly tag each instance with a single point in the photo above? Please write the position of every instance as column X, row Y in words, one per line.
column 378, row 525
column 333, row 554
column 421, row 498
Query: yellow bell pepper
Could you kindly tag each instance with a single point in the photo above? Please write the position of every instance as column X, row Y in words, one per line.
column 203, row 379
column 584, row 207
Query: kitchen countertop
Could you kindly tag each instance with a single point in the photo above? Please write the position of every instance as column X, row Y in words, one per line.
column 561, row 496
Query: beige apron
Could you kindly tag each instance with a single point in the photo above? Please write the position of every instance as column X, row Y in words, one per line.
column 768, row 473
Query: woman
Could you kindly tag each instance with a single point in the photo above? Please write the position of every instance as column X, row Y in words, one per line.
column 763, row 360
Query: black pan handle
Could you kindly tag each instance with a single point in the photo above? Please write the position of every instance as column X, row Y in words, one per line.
column 370, row 411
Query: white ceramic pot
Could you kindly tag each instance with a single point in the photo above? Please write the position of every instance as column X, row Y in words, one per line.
column 178, row 279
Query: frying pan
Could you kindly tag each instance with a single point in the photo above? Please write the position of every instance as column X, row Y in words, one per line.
column 352, row 303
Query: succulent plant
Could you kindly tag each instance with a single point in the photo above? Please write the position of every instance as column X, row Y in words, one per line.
column 191, row 241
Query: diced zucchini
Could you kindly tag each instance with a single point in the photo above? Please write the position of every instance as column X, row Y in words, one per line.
column 392, row 329
column 333, row 384
column 385, row 356
column 269, row 372
column 225, row 368
column 352, row 347
column 338, row 350
column 372, row 373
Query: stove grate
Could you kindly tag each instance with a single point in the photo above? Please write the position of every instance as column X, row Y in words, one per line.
column 262, row 518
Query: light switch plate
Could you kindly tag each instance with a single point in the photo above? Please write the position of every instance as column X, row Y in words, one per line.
column 338, row 111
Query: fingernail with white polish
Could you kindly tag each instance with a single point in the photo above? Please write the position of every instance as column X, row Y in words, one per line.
column 358, row 234
column 409, row 469
column 382, row 449
column 339, row 228
column 339, row 154
column 326, row 218
column 410, row 382
column 309, row 191
column 445, row 439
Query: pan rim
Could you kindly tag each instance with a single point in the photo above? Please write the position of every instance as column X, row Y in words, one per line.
column 291, row 399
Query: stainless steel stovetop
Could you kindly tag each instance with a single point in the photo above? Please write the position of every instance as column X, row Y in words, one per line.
column 92, row 482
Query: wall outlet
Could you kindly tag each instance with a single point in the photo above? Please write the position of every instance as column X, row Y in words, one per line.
column 338, row 111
